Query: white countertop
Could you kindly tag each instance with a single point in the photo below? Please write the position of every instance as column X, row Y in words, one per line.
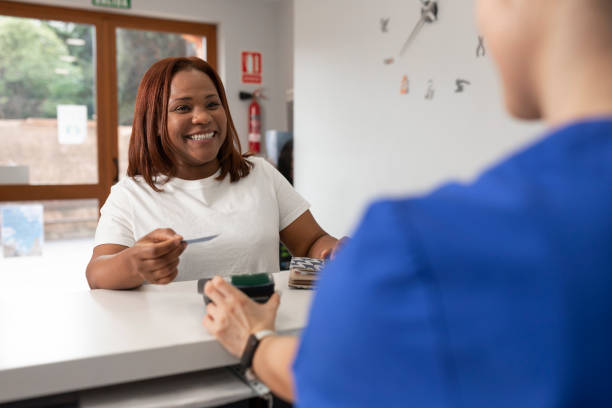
column 53, row 343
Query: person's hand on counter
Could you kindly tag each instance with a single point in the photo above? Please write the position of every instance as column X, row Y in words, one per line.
column 330, row 253
column 154, row 258
column 232, row 317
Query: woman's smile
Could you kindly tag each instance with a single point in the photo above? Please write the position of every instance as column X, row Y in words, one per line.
column 200, row 136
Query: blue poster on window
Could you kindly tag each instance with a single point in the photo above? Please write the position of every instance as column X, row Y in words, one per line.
column 22, row 230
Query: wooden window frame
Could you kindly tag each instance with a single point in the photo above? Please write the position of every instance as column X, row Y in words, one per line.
column 106, row 24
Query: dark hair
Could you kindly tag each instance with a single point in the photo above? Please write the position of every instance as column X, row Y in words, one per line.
column 150, row 150
column 285, row 161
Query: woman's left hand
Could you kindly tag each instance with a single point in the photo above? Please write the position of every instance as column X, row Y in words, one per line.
column 332, row 251
column 232, row 317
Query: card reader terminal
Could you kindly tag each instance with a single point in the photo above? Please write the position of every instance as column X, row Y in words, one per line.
column 257, row 286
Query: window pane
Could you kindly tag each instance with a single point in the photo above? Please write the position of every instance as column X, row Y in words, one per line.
column 47, row 102
column 137, row 50
column 46, row 244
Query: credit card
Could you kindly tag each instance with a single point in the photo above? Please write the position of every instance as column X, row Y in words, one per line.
column 201, row 239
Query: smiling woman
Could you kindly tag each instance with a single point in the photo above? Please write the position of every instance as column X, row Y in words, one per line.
column 197, row 124
column 187, row 178
column 192, row 102
column 68, row 86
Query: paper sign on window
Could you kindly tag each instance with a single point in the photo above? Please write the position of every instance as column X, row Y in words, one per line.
column 71, row 124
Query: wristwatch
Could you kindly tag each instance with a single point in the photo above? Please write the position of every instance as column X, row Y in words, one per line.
column 246, row 360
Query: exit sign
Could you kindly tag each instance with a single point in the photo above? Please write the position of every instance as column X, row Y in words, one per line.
column 122, row 4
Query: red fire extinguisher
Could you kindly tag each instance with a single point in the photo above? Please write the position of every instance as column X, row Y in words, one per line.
column 254, row 135
column 254, row 125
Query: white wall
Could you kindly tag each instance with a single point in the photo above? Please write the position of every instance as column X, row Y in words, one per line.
column 243, row 25
column 357, row 137
column 285, row 10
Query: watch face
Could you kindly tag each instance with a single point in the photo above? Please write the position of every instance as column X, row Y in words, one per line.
column 249, row 350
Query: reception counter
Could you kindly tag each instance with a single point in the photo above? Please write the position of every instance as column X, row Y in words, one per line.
column 85, row 342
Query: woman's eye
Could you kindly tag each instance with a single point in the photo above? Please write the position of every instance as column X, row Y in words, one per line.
column 213, row 105
column 181, row 108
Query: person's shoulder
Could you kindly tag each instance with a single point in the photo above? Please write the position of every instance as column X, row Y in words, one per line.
column 121, row 187
column 385, row 217
column 552, row 151
column 260, row 162
column 129, row 187
column 120, row 194
column 129, row 184
column 450, row 205
column 503, row 183
column 261, row 167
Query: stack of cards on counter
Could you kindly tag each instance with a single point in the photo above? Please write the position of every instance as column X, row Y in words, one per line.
column 303, row 272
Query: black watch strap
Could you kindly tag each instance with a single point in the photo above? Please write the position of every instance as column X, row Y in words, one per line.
column 246, row 360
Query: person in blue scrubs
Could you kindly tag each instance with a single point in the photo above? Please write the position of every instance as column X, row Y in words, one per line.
column 492, row 294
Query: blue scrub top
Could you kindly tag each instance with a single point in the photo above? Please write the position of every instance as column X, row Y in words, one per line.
column 493, row 294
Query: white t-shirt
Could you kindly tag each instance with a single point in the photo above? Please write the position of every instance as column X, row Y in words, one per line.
column 247, row 215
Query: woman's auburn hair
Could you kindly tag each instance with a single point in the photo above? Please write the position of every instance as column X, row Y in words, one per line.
column 150, row 152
